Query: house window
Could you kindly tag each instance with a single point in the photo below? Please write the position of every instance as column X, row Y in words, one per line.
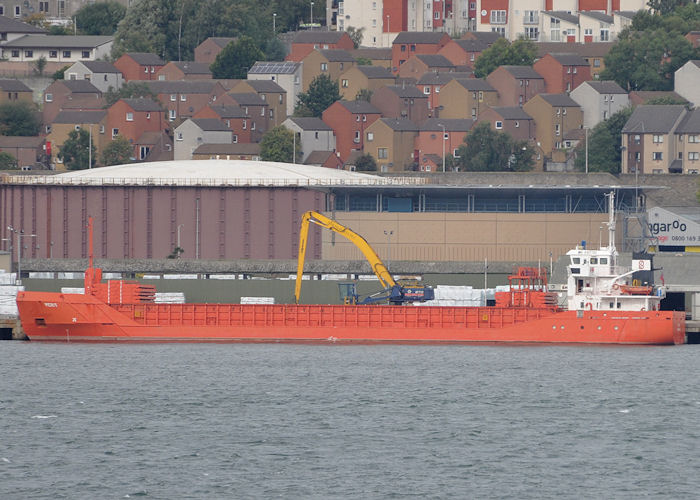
column 115, row 132
column 455, row 153
column 262, row 111
column 235, row 139
column 15, row 53
column 53, row 54
column 426, row 90
column 66, row 53
column 173, row 97
column 498, row 17
column 658, row 156
column 315, row 135
column 403, row 48
column 2, row 10
column 370, row 136
column 356, row 140
column 532, row 33
column 557, row 129
column 148, row 116
column 364, row 118
column 382, row 153
column 694, row 138
column 172, row 114
column 517, row 124
column 437, row 14
column 499, row 125
column 145, row 69
column 588, row 32
column 77, row 127
column 48, row 97
column 28, row 53
column 183, row 97
column 102, row 129
column 413, row 47
column 130, row 117
column 605, row 35
column 280, row 99
column 18, row 11
column 694, row 156
column 245, row 124
column 344, row 83
column 86, row 54
column 324, row 66
column 658, row 139
column 596, row 63
column 179, row 136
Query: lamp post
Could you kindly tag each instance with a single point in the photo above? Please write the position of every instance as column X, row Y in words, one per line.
column 388, row 23
column 9, row 240
column 586, row 129
column 443, row 146
column 179, row 248
column 196, row 231
column 274, row 24
column 312, row 15
column 388, row 246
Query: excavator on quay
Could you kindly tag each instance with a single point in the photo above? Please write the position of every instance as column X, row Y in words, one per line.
column 394, row 292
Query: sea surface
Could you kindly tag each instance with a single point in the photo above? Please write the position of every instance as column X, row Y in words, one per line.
column 335, row 421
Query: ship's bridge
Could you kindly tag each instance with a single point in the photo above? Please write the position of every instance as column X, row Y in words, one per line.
column 587, row 263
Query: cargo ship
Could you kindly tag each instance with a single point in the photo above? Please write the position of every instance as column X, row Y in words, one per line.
column 605, row 304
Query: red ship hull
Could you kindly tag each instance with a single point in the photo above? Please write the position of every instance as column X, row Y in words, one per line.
column 85, row 318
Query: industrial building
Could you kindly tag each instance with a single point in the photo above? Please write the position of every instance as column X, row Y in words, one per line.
column 217, row 209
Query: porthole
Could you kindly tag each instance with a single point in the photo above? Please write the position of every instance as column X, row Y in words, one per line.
column 617, row 327
column 600, row 327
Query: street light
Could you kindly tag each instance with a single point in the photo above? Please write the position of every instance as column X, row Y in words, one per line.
column 586, row 129
column 274, row 23
column 179, row 248
column 443, row 146
column 388, row 23
column 312, row 15
column 388, row 246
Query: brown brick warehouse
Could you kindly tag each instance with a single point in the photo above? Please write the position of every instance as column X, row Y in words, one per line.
column 226, row 212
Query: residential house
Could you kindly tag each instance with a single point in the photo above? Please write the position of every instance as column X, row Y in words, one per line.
column 255, row 108
column 326, row 159
column 390, row 141
column 153, row 146
column 463, row 52
column 694, row 38
column 12, row 29
column 410, row 43
column 270, row 92
column 359, row 78
column 94, row 122
column 64, row 49
column 686, row 81
column 286, row 74
column 184, row 70
column 438, row 138
column 562, row 72
column 516, row 84
column 239, row 151
column 595, row 26
column 510, row 119
column 375, row 56
column 233, row 116
column 599, row 100
column 687, row 137
column 12, row 90
column 559, row 26
column 431, row 84
column 466, row 97
column 306, row 41
column 401, row 101
column 325, row 62
column 554, row 115
column 313, row 135
column 58, row 93
column 101, row 74
column 139, row 66
column 28, row 151
column 207, row 51
column 131, row 118
column 194, row 132
column 593, row 53
column 418, row 65
column 649, row 143
column 487, row 37
column 183, row 99
column 349, row 120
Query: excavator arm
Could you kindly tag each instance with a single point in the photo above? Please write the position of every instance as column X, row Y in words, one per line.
column 321, row 220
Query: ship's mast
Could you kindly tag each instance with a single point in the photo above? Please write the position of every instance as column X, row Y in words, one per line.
column 611, row 221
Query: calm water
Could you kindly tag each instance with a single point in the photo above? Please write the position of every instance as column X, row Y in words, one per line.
column 289, row 421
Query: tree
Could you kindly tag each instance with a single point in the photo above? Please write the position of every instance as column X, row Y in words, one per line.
column 99, row 18
column 486, row 150
column 117, row 152
column 19, row 118
column 355, row 35
column 40, row 65
column 363, row 61
column 274, row 50
column 277, row 145
column 59, row 73
column 664, row 100
column 236, row 59
column 363, row 95
column 604, row 140
column 7, row 161
column 647, row 60
column 664, row 7
column 366, row 163
column 321, row 94
column 521, row 52
column 74, row 153
column 129, row 90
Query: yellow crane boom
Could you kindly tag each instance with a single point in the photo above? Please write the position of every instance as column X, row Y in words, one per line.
column 321, row 220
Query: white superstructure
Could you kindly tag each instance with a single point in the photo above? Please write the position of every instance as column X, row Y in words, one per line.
column 596, row 282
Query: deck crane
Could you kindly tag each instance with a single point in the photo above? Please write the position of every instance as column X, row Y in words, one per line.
column 393, row 292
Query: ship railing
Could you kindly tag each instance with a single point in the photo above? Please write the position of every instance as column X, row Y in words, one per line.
column 199, row 181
